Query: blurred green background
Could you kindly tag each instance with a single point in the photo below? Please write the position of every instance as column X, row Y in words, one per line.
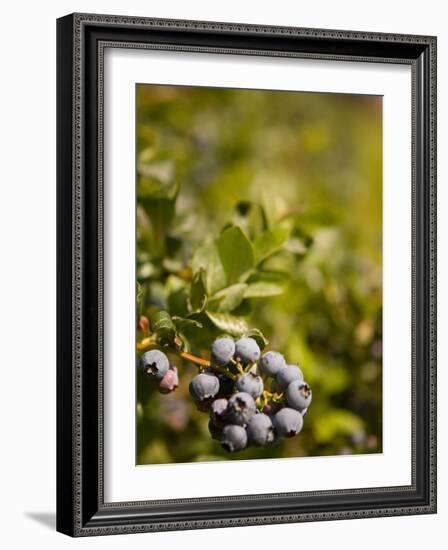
column 210, row 156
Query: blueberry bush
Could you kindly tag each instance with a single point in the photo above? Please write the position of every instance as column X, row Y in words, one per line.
column 258, row 274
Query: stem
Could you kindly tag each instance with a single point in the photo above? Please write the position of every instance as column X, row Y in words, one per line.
column 194, row 359
column 224, row 371
column 146, row 343
column 204, row 363
column 150, row 341
column 272, row 395
column 240, row 368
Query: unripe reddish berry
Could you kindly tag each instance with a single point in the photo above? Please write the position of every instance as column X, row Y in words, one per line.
column 170, row 381
column 143, row 324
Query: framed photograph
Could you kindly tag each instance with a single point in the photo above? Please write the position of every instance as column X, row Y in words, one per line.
column 246, row 274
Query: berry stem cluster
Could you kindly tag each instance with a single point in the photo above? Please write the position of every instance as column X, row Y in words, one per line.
column 251, row 399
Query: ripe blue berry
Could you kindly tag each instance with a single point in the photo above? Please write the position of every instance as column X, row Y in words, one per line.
column 241, row 408
column 288, row 374
column 288, row 422
column 215, row 431
column 298, row 395
column 234, row 438
column 170, row 381
column 260, row 430
column 226, row 385
column 218, row 411
column 271, row 362
column 204, row 386
column 250, row 383
column 247, row 350
column 155, row 363
column 222, row 351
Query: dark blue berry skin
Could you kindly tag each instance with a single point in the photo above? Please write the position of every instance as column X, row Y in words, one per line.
column 234, row 438
column 250, row 383
column 247, row 350
column 218, row 411
column 288, row 374
column 204, row 386
column 226, row 385
column 271, row 362
column 287, row 422
column 241, row 408
column 215, row 431
column 155, row 363
column 222, row 351
column 260, row 430
column 298, row 395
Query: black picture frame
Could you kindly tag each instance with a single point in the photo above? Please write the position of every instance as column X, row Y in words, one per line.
column 81, row 510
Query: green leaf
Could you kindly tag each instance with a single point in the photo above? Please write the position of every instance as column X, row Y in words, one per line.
column 269, row 242
column 270, row 276
column 177, row 301
column 236, row 253
column 229, row 298
column 198, row 293
column 258, row 336
column 235, row 326
column 296, row 246
column 148, row 188
column 139, row 293
column 251, row 217
column 262, row 290
column 162, row 325
column 160, row 213
column 162, row 169
column 139, row 298
column 207, row 258
column 299, row 242
column 336, row 422
column 181, row 323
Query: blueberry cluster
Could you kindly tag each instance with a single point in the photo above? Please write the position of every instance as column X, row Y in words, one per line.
column 155, row 364
column 252, row 399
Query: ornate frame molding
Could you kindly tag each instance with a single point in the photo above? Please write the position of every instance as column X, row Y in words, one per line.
column 81, row 42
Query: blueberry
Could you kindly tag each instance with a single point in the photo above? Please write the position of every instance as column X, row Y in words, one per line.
column 155, row 363
column 170, row 381
column 215, row 431
column 241, row 408
column 222, row 351
column 226, row 385
column 271, row 362
column 288, row 422
column 250, row 383
column 298, row 395
column 234, row 438
column 288, row 374
column 260, row 430
column 204, row 386
column 204, row 406
column 247, row 350
column 218, row 411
